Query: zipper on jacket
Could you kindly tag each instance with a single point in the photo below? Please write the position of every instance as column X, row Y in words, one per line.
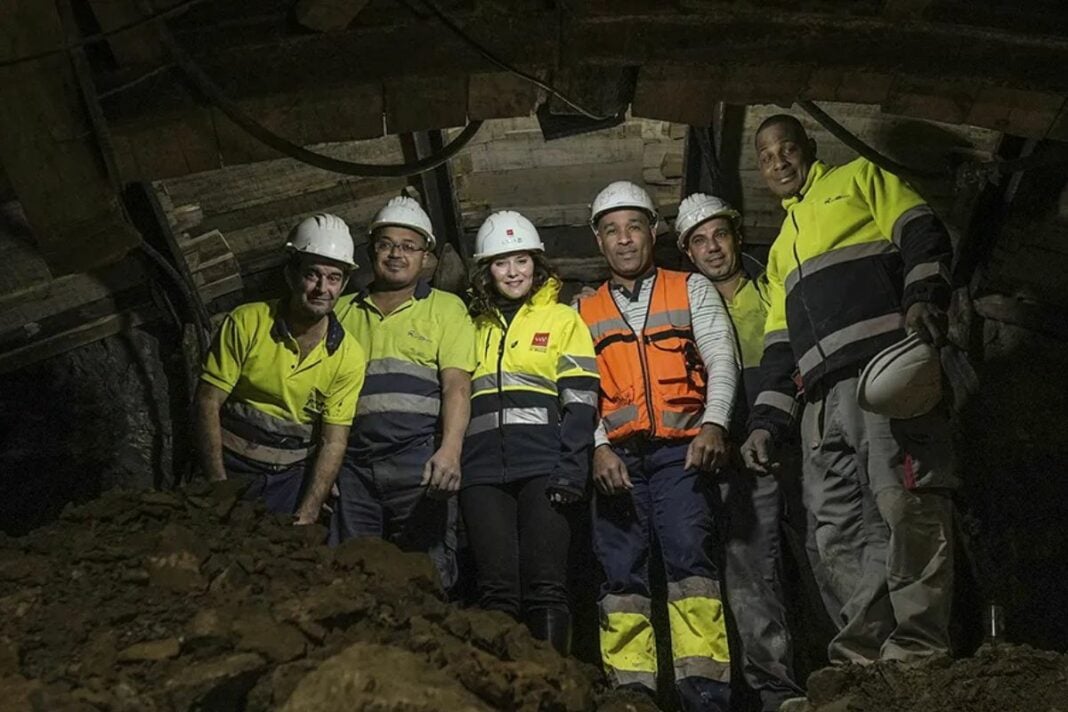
column 801, row 287
column 500, row 396
column 641, row 351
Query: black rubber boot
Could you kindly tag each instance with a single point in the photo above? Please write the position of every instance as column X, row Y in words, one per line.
column 552, row 625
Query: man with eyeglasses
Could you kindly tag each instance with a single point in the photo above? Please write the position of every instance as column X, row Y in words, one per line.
column 402, row 465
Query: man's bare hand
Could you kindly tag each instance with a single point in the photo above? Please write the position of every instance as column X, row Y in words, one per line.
column 308, row 513
column 584, row 293
column 708, row 450
column 609, row 472
column 928, row 322
column 758, row 452
column 441, row 474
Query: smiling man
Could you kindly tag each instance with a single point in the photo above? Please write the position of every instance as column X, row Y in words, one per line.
column 667, row 359
column 403, row 460
column 709, row 231
column 278, row 388
column 860, row 260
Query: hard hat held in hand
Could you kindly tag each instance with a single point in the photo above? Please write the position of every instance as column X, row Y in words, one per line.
column 506, row 231
column 324, row 235
column 902, row 381
column 696, row 209
column 405, row 212
column 621, row 194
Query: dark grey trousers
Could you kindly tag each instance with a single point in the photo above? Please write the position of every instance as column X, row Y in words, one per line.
column 878, row 490
column 753, row 552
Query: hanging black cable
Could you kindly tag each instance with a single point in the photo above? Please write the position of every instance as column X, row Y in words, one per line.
column 849, row 139
column 490, row 56
column 216, row 96
column 968, row 172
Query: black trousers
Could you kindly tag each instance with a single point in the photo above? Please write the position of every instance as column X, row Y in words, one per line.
column 520, row 543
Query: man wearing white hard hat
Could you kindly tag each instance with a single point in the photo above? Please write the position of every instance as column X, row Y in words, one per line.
column 403, row 460
column 667, row 358
column 279, row 386
column 709, row 233
column 861, row 260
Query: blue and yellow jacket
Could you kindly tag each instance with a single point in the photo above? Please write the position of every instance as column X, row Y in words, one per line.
column 858, row 247
column 533, row 396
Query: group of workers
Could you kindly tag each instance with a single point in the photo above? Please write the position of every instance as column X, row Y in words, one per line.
column 664, row 397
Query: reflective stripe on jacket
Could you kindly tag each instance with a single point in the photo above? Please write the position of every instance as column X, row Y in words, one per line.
column 407, row 349
column 857, row 248
column 533, row 396
column 653, row 386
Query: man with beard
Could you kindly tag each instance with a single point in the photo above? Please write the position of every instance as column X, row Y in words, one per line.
column 279, row 386
column 709, row 232
column 403, row 460
column 666, row 354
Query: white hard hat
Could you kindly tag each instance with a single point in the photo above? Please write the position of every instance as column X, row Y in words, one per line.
column 902, row 381
column 506, row 231
column 324, row 235
column 621, row 194
column 698, row 208
column 405, row 212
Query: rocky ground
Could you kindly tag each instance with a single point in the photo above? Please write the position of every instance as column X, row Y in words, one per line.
column 195, row 600
column 1003, row 678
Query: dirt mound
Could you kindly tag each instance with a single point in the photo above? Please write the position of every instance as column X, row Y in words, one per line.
column 1005, row 678
column 159, row 601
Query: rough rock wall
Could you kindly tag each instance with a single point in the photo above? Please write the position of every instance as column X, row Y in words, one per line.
column 82, row 423
column 1013, row 465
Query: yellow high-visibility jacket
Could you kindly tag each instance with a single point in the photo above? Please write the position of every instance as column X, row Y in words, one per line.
column 533, row 396
column 858, row 247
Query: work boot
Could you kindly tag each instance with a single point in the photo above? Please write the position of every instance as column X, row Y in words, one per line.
column 552, row 625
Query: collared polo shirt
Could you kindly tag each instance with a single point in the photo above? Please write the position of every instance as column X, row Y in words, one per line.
column 256, row 360
column 400, row 403
column 748, row 309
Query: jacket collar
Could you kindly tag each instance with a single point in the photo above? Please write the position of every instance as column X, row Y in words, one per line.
column 815, row 172
column 632, row 295
column 335, row 333
column 422, row 291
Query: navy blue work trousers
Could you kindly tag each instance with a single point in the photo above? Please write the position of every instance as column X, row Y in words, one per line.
column 385, row 499
column 280, row 488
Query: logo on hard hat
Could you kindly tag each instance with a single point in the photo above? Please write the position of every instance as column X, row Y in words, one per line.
column 509, row 231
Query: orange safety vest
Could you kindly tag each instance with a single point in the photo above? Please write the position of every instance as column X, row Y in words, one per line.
column 652, row 386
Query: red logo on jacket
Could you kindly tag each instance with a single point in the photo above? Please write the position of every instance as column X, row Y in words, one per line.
column 540, row 342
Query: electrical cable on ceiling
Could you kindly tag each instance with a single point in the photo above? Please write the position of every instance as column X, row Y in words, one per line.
column 845, row 136
column 968, row 172
column 494, row 59
column 217, row 96
column 101, row 36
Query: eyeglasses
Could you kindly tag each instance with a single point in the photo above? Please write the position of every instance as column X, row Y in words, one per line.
column 407, row 248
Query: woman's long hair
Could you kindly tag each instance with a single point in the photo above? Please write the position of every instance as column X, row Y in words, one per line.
column 484, row 295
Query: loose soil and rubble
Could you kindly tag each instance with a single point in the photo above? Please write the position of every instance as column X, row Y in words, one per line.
column 998, row 678
column 194, row 599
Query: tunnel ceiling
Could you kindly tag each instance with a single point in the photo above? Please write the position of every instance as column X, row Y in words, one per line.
column 389, row 67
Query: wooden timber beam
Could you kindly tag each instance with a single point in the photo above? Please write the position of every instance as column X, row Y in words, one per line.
column 48, row 152
column 905, row 9
column 718, row 37
column 327, row 15
column 724, row 41
column 438, row 190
